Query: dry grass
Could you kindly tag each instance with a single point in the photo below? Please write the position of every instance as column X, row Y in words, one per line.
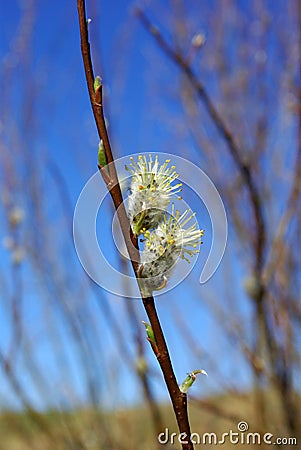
column 130, row 429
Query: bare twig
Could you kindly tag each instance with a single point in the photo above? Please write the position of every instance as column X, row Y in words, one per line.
column 178, row 399
column 243, row 168
column 216, row 410
column 261, row 272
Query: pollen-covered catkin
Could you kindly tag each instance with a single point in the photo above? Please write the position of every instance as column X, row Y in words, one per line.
column 165, row 234
column 151, row 191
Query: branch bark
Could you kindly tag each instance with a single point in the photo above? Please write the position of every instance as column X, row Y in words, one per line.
column 178, row 399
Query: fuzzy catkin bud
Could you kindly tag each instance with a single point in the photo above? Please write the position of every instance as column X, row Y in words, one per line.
column 164, row 245
column 165, row 235
column 151, row 191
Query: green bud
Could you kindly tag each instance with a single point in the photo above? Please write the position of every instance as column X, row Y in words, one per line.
column 190, row 379
column 149, row 333
column 97, row 83
column 102, row 161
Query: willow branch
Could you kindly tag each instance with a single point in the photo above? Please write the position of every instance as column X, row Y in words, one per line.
column 178, row 399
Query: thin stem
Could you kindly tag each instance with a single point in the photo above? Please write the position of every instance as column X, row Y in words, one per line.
column 178, row 399
column 262, row 273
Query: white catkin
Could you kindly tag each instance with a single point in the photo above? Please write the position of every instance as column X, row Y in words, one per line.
column 166, row 236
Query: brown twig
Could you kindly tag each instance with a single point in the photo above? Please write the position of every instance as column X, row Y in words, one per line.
column 215, row 410
column 261, row 272
column 244, row 169
column 178, row 399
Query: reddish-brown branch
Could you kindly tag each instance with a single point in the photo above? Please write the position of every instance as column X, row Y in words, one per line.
column 178, row 399
column 97, row 107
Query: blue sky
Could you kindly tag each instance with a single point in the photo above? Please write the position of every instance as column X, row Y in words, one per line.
column 135, row 77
